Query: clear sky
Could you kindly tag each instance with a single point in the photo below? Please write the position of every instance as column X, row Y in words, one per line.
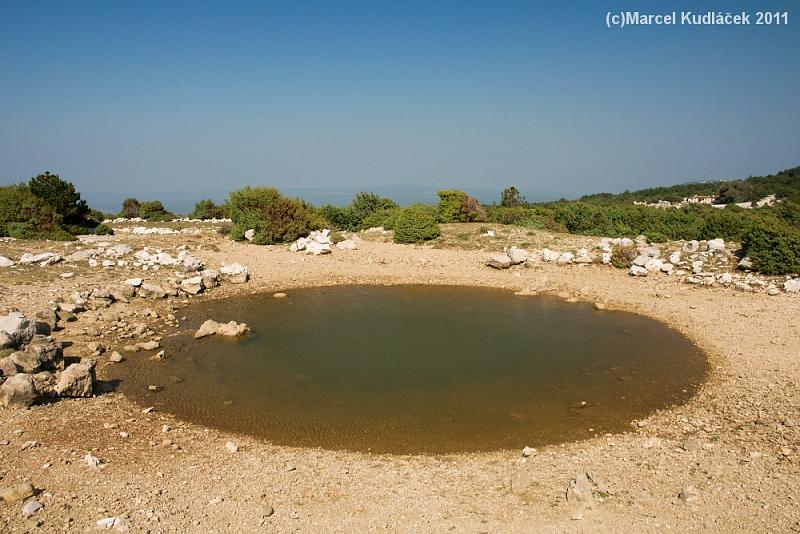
column 143, row 98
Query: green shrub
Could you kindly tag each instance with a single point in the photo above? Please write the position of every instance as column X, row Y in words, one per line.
column 365, row 204
column 450, row 204
column 275, row 218
column 207, row 209
column 352, row 216
column 103, row 229
column 415, row 224
column 340, row 218
column 457, row 206
column 387, row 218
column 154, row 211
column 516, row 215
column 773, row 249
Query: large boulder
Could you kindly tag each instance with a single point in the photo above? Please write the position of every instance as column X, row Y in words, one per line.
column 565, row 259
column 792, row 286
column 19, row 329
column 517, row 255
column 232, row 329
column 43, row 259
column 117, row 251
column 637, row 270
column 499, row 261
column 151, row 291
column 550, row 255
column 317, row 249
column 716, row 245
column 8, row 367
column 5, row 262
column 121, row 292
column 6, row 341
column 211, row 327
column 48, row 316
column 234, row 273
column 210, row 279
column 77, row 380
column 41, row 354
column 653, row 264
column 189, row 263
column 208, row 328
column 19, row 390
column 193, row 285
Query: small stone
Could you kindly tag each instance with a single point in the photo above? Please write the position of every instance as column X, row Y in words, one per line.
column 17, row 493
column 692, row 445
column 231, row 447
column 279, row 295
column 31, row 507
column 113, row 523
column 529, row 451
column 689, row 494
column 580, row 490
column 115, row 357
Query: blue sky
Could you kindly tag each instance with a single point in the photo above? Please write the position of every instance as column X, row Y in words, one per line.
column 190, row 99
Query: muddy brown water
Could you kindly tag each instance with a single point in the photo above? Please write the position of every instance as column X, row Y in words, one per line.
column 417, row 369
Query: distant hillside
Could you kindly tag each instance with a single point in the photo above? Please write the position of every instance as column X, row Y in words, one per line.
column 785, row 184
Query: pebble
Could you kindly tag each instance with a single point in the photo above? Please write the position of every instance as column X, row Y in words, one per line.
column 689, row 494
column 692, row 445
column 529, row 451
column 115, row 357
column 31, row 507
column 231, row 447
column 17, row 493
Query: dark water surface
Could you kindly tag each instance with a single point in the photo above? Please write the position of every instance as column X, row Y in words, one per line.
column 417, row 369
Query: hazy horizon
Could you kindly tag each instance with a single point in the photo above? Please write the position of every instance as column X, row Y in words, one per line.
column 187, row 100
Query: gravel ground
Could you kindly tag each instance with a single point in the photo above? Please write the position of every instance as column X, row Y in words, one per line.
column 725, row 461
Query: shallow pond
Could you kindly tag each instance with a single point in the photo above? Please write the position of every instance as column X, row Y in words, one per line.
column 417, row 369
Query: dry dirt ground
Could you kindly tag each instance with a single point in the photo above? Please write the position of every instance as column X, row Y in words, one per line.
column 740, row 472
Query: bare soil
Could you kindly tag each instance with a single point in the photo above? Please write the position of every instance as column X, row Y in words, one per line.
column 740, row 472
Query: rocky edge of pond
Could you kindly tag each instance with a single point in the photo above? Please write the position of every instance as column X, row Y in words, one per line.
column 37, row 370
column 702, row 263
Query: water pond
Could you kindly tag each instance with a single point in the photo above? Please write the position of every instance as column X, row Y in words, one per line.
column 417, row 369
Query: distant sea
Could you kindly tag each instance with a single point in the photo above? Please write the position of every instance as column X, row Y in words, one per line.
column 182, row 202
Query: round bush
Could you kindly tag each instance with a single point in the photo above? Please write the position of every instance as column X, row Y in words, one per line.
column 415, row 224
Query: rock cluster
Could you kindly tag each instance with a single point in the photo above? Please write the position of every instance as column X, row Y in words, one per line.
column 319, row 242
column 703, row 263
column 36, row 369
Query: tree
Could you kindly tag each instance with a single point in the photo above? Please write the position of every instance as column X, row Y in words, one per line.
column 206, row 209
column 130, row 208
column 61, row 196
column 511, row 197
